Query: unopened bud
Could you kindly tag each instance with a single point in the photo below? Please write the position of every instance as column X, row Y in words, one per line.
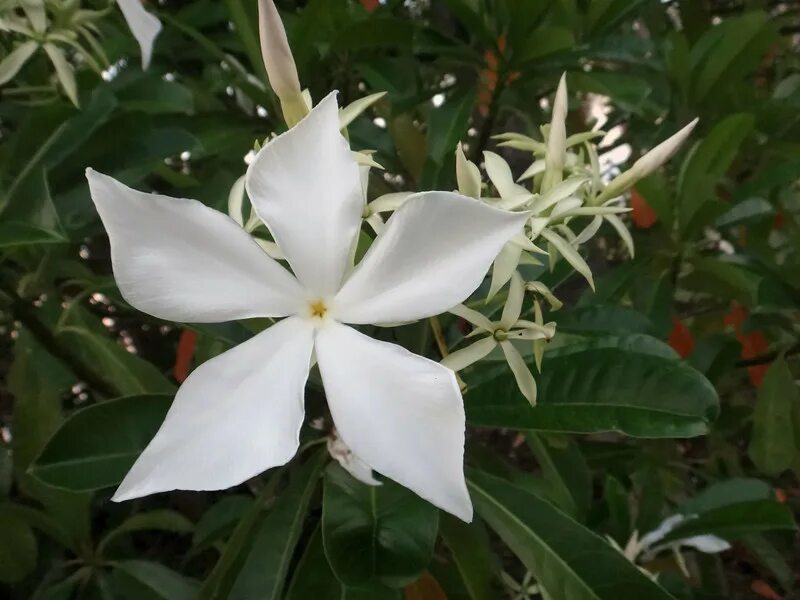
column 279, row 63
column 646, row 165
column 556, row 139
column 467, row 174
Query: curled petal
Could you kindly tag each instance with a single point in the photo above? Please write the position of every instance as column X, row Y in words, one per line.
column 306, row 187
column 513, row 305
column 179, row 260
column 235, row 416
column 400, row 413
column 412, row 271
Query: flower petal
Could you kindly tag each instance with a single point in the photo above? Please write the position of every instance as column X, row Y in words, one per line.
column 179, row 260
column 525, row 381
column 473, row 316
column 461, row 359
column 144, row 26
column 434, row 252
column 235, row 416
column 513, row 306
column 306, row 187
column 400, row 413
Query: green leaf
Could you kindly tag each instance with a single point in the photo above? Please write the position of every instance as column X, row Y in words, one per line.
column 772, row 446
column 708, row 162
column 375, row 533
column 18, row 549
column 220, row 519
column 29, row 217
column 631, row 384
column 313, row 578
column 154, row 95
column 160, row 520
column 723, row 278
column 375, row 32
column 565, row 471
column 752, row 209
column 472, row 554
column 544, row 41
column 448, row 123
column 266, row 565
column 568, row 560
column 735, row 520
column 730, row 49
column 725, row 493
column 141, row 579
column 97, row 445
column 128, row 373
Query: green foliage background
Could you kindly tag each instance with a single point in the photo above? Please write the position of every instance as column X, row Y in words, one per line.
column 627, row 431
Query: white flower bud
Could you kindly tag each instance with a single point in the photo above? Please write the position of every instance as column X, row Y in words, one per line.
column 279, row 63
column 556, row 139
column 646, row 165
column 467, row 174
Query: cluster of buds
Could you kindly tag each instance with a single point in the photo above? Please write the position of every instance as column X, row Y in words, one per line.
column 560, row 190
column 563, row 191
column 68, row 34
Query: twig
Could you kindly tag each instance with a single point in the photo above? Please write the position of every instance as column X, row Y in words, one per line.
column 763, row 359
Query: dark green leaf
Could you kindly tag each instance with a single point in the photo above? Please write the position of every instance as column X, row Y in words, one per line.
column 375, row 533
column 18, row 549
column 772, row 446
column 83, row 456
column 631, row 384
column 263, row 573
column 567, row 559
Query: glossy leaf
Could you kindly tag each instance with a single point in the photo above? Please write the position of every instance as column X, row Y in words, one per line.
column 568, row 560
column 266, row 564
column 631, row 384
column 375, row 533
column 82, row 456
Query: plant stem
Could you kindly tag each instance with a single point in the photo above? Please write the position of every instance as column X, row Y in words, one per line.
column 438, row 335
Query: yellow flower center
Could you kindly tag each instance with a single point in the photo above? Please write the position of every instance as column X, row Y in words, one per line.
column 318, row 309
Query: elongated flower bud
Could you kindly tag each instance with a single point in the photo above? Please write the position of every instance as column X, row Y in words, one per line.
column 556, row 139
column 646, row 165
column 279, row 63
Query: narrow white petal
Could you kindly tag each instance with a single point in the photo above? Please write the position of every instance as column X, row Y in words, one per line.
column 389, row 202
column 473, row 316
column 235, row 416
column 350, row 112
column 144, row 26
column 468, row 175
column 513, row 305
column 560, row 192
column 500, row 174
column 433, row 253
column 236, row 200
column 400, row 413
column 461, row 359
column 570, row 254
column 589, row 231
column 710, row 544
column 306, row 187
column 179, row 260
column 525, row 381
column 504, row 267
column 539, row 288
column 536, row 167
column 623, row 232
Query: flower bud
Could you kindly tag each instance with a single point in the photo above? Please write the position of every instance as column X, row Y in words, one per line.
column 646, row 165
column 279, row 63
column 556, row 139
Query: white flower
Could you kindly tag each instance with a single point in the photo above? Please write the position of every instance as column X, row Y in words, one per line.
column 509, row 327
column 144, row 26
column 240, row 413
